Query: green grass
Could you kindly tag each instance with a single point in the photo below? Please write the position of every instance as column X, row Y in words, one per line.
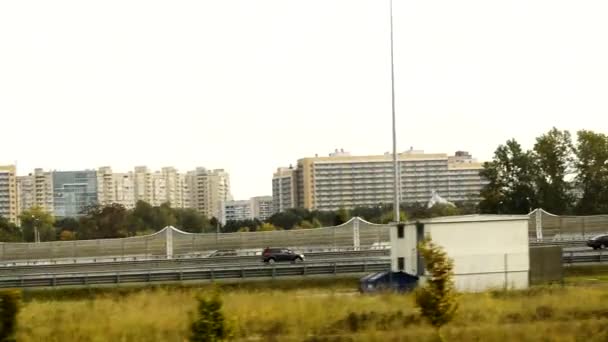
column 316, row 310
column 320, row 314
column 591, row 274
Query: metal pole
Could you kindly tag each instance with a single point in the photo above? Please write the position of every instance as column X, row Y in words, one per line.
column 395, row 161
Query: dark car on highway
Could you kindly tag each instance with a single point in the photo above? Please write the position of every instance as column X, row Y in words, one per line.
column 597, row 242
column 272, row 255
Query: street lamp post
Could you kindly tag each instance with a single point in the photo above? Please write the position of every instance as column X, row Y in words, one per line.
column 36, row 233
column 396, row 201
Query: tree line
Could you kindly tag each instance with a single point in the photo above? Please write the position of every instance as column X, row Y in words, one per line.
column 99, row 222
column 115, row 221
column 557, row 175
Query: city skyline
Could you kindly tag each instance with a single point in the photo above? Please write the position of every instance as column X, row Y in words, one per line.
column 239, row 83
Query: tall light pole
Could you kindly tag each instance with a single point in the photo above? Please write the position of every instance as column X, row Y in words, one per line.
column 397, row 217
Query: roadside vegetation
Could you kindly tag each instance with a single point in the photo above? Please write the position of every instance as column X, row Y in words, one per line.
column 319, row 310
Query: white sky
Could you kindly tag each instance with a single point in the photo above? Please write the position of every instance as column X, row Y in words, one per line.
column 255, row 84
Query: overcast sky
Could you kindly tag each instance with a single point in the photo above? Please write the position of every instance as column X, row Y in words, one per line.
column 252, row 85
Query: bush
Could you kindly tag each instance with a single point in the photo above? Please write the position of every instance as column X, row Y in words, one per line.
column 210, row 325
column 437, row 299
column 9, row 307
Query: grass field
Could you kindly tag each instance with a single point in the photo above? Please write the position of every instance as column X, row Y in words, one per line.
column 322, row 310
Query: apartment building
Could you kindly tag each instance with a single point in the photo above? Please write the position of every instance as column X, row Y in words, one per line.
column 256, row 207
column 238, row 210
column 105, row 186
column 344, row 181
column 9, row 200
column 263, row 207
column 209, row 191
column 284, row 189
column 115, row 187
column 143, row 188
column 26, row 195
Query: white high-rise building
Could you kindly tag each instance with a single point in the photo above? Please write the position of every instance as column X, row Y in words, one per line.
column 9, row 201
column 344, row 181
column 36, row 190
column 209, row 191
column 262, row 207
column 284, row 189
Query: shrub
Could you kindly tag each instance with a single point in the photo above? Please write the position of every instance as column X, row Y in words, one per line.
column 210, row 325
column 437, row 299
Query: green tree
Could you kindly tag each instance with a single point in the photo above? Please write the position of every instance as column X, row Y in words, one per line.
column 190, row 220
column 440, row 209
column 9, row 232
column 67, row 224
column 210, row 324
column 592, row 172
column 553, row 154
column 510, row 175
column 437, row 298
column 164, row 217
column 104, row 222
column 286, row 220
column 143, row 217
column 34, row 219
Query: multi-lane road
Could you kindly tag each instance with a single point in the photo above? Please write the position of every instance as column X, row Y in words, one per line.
column 77, row 272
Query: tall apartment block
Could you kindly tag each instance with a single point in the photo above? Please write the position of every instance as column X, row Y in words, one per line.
column 344, row 181
column 9, row 202
column 263, row 207
column 36, row 190
column 209, row 191
column 115, row 187
column 284, row 189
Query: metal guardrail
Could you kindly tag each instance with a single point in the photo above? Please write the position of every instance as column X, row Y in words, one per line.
column 174, row 264
column 590, row 257
column 197, row 274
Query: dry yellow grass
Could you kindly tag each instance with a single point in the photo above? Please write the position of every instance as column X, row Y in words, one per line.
column 540, row 314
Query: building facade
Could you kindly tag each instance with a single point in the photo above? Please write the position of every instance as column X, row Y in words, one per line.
column 238, row 210
column 209, row 191
column 259, row 208
column 263, row 207
column 73, row 192
column 344, row 181
column 9, row 200
column 284, row 189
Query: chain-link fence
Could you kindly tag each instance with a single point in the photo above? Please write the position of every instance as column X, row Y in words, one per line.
column 544, row 226
column 171, row 242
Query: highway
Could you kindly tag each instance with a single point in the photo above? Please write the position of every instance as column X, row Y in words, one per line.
column 228, row 267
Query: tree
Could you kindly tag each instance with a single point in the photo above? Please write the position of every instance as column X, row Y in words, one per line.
column 510, row 175
column 34, row 219
column 190, row 220
column 437, row 298
column 286, row 220
column 9, row 232
column 210, row 324
column 553, row 163
column 67, row 224
column 592, row 172
column 104, row 222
